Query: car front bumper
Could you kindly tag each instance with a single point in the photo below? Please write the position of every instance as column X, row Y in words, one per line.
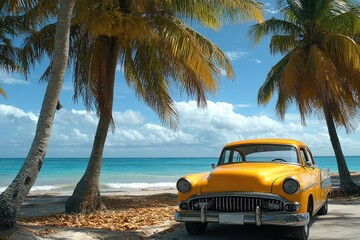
column 258, row 218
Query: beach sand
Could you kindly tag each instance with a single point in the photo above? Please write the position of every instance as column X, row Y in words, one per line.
column 129, row 215
column 143, row 214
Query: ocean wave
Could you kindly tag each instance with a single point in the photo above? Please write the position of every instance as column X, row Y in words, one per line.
column 46, row 188
column 160, row 185
column 105, row 186
column 43, row 188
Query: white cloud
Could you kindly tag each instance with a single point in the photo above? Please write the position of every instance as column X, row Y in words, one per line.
column 243, row 105
column 202, row 132
column 11, row 113
column 256, row 61
column 12, row 79
column 235, row 55
column 128, row 118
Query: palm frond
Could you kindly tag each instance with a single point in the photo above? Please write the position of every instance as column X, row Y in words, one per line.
column 2, row 92
column 343, row 50
column 213, row 13
column 347, row 23
column 282, row 104
column 282, row 44
column 273, row 81
column 275, row 27
column 145, row 72
column 294, row 71
column 37, row 45
column 159, row 52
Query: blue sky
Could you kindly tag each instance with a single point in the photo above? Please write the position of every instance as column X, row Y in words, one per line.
column 232, row 113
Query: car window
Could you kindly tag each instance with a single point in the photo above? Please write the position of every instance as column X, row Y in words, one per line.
column 307, row 156
column 259, row 153
column 231, row 156
column 304, row 155
column 311, row 159
column 287, row 156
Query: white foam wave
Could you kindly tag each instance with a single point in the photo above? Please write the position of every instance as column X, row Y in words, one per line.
column 160, row 185
column 45, row 188
column 104, row 186
column 41, row 188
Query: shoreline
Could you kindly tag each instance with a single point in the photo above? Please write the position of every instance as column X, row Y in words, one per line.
column 335, row 181
column 136, row 192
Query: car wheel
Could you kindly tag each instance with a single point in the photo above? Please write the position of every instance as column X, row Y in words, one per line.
column 324, row 209
column 196, row 228
column 300, row 233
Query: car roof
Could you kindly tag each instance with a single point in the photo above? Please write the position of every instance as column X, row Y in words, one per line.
column 267, row 141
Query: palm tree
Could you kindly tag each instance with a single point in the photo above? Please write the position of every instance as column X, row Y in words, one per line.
column 320, row 71
column 159, row 52
column 12, row 198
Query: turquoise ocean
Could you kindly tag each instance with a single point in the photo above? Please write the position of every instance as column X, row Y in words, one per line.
column 127, row 174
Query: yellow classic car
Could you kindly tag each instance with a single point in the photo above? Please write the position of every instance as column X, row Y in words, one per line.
column 262, row 181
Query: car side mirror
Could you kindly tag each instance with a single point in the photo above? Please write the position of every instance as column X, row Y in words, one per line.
column 213, row 165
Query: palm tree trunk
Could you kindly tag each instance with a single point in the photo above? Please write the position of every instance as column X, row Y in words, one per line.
column 13, row 197
column 347, row 185
column 86, row 196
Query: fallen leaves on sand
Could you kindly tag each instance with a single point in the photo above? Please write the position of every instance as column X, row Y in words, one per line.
column 130, row 213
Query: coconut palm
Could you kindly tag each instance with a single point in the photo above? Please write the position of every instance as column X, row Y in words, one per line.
column 12, row 198
column 160, row 51
column 320, row 70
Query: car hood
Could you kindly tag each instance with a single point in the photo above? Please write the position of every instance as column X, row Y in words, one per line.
column 246, row 177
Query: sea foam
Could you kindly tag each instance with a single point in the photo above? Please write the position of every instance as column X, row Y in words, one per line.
column 160, row 185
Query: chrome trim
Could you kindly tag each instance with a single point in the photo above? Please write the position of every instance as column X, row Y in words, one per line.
column 238, row 194
column 306, row 188
column 326, row 182
column 203, row 207
column 239, row 201
column 283, row 219
column 325, row 178
column 258, row 216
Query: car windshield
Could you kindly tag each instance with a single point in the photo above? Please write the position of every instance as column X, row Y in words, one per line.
column 259, row 153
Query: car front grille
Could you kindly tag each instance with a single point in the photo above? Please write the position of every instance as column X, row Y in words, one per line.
column 237, row 204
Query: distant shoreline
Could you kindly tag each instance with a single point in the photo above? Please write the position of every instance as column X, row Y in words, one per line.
column 335, row 181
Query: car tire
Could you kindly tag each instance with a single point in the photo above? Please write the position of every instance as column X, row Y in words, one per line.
column 324, row 209
column 300, row 233
column 196, row 228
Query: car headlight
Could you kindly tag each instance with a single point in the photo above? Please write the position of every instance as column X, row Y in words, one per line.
column 183, row 185
column 291, row 186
